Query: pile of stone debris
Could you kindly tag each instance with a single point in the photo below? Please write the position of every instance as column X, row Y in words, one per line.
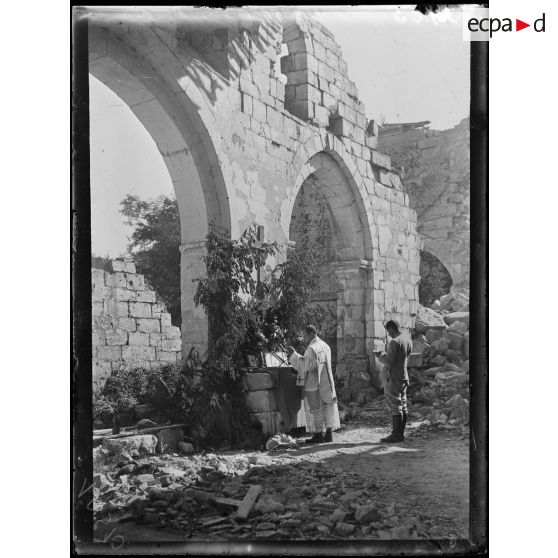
column 439, row 364
column 438, row 372
column 201, row 496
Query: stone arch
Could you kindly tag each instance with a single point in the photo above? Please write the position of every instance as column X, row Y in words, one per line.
column 329, row 159
column 333, row 173
column 180, row 125
column 445, row 257
column 435, row 278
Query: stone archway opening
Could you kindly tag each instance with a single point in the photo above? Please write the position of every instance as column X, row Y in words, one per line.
column 184, row 143
column 326, row 218
column 312, row 227
column 435, row 279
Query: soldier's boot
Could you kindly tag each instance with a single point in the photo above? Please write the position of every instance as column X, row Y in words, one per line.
column 395, row 435
column 403, row 424
column 328, row 435
column 318, row 438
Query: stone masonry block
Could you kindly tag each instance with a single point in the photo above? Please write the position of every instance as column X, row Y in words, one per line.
column 98, row 338
column 259, row 111
column 302, row 76
column 358, row 135
column 347, row 112
column 138, row 353
column 171, row 345
column 274, row 119
column 290, row 93
column 302, row 109
column 307, row 91
column 165, row 319
column 247, row 105
column 98, row 277
column 136, row 338
column 380, row 159
column 140, row 310
column 115, row 279
column 362, row 121
column 328, row 101
column 319, row 51
column 146, row 296
column 171, row 332
column 135, row 282
column 121, row 265
column 128, row 324
column 332, row 60
column 291, row 33
column 288, row 64
column 157, row 310
column 155, row 339
column 97, row 308
column 116, row 337
column 385, row 178
column 342, row 127
column 124, row 295
column 325, row 71
column 395, row 181
column 113, row 352
column 146, row 325
column 99, row 294
column 304, row 61
column 297, row 45
column 261, row 401
column 116, row 309
column 280, row 90
column 101, row 369
column 371, row 141
column 321, row 115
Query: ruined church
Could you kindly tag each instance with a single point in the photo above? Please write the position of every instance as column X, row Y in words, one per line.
column 258, row 122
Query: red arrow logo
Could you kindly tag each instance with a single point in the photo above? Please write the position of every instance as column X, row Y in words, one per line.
column 519, row 25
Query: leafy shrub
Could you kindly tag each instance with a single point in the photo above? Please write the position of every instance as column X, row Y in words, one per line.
column 244, row 317
column 131, row 386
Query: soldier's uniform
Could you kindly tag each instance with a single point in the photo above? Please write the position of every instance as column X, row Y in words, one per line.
column 395, row 384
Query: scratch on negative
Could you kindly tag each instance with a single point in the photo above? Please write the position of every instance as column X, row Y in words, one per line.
column 474, row 443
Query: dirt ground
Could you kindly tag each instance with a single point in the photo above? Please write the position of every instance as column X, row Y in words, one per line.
column 420, row 487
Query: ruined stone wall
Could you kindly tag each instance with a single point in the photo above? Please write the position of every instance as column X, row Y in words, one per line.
column 131, row 326
column 248, row 109
column 435, row 167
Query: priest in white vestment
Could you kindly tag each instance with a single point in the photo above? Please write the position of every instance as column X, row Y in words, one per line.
column 315, row 375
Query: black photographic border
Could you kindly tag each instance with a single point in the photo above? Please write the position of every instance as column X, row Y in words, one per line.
column 81, row 351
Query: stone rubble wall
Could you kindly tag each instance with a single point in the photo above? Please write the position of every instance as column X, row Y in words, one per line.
column 130, row 325
column 435, row 166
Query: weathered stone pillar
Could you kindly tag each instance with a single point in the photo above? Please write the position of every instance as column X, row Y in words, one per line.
column 194, row 321
column 352, row 358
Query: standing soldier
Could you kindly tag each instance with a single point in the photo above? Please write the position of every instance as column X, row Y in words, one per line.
column 316, row 377
column 396, row 381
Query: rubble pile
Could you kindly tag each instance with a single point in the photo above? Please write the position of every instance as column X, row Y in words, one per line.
column 439, row 364
column 200, row 496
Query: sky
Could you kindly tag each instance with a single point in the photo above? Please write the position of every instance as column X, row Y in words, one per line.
column 407, row 67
